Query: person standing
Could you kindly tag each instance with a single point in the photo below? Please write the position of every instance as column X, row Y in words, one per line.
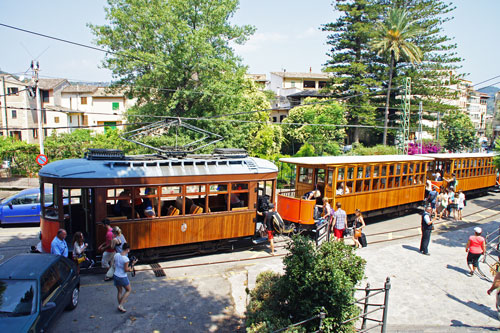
column 460, row 204
column 120, row 278
column 79, row 247
column 444, row 203
column 431, row 199
column 116, row 244
column 359, row 224
column 476, row 246
column 452, row 205
column 339, row 222
column 59, row 245
column 427, row 226
column 108, row 251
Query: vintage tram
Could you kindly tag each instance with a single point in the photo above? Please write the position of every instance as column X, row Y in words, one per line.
column 163, row 205
column 377, row 184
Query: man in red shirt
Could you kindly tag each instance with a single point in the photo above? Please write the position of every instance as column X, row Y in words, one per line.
column 108, row 251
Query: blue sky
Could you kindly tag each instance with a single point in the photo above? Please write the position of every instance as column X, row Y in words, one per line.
column 287, row 36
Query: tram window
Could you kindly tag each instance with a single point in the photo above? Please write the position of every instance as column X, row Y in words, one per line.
column 417, row 168
column 360, row 173
column 404, row 181
column 390, row 182
column 391, row 170
column 168, row 190
column 239, row 186
column 405, row 169
column 330, row 178
column 218, row 188
column 397, row 183
column 398, row 169
column 359, row 184
column 382, row 183
column 384, row 169
column 348, row 188
column 306, row 175
column 341, row 174
column 320, row 176
column 195, row 189
column 375, row 184
column 350, row 173
column 368, row 171
column 367, row 185
column 375, row 171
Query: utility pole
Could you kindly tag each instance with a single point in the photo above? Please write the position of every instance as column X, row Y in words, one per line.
column 437, row 127
column 4, row 114
column 38, row 103
column 405, row 116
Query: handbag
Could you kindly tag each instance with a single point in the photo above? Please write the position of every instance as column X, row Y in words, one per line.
column 81, row 258
column 357, row 233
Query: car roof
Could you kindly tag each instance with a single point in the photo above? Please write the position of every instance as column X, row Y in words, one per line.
column 27, row 265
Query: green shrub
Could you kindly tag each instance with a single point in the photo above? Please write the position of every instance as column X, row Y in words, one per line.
column 315, row 280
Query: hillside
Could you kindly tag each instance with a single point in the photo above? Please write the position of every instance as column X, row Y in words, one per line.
column 491, row 91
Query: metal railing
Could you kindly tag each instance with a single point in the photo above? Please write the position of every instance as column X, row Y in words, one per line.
column 367, row 309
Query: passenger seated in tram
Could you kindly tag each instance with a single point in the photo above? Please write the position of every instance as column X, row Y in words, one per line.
column 148, row 205
column 236, row 201
column 123, row 206
column 341, row 190
column 138, row 203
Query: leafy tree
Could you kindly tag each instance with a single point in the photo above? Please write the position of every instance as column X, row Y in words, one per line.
column 350, row 62
column 176, row 58
column 310, row 124
column 359, row 149
column 458, row 131
column 314, row 280
column 394, row 36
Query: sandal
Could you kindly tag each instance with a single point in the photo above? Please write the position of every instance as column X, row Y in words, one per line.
column 108, row 279
column 121, row 309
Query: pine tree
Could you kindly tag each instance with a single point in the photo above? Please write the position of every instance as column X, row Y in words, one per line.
column 350, row 62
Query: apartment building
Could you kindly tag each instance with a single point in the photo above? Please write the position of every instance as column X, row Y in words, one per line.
column 96, row 107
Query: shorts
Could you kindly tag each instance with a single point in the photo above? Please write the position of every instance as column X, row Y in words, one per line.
column 121, row 281
column 433, row 204
column 338, row 233
column 269, row 234
column 473, row 258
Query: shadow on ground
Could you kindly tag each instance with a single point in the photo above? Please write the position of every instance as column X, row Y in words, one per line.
column 478, row 307
column 163, row 305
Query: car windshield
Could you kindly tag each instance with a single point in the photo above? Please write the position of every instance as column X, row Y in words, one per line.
column 17, row 297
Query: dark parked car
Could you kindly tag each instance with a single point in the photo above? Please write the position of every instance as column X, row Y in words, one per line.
column 23, row 207
column 35, row 289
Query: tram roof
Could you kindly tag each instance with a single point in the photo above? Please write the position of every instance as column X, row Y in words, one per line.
column 91, row 169
column 347, row 159
column 446, row 156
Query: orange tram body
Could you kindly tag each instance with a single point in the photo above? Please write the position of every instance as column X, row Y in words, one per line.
column 162, row 205
column 378, row 184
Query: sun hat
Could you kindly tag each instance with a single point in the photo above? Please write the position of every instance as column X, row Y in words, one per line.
column 478, row 230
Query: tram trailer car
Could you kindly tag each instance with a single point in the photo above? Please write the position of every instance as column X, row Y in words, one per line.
column 162, row 205
column 377, row 184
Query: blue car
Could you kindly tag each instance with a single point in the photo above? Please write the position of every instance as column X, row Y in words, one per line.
column 23, row 207
column 35, row 289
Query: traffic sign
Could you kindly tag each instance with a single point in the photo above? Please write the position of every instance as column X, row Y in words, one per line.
column 41, row 159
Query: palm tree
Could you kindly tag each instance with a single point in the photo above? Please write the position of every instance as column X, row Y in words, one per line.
column 393, row 35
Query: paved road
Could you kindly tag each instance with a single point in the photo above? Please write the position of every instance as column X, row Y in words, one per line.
column 429, row 294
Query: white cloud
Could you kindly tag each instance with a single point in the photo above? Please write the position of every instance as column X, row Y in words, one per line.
column 309, row 33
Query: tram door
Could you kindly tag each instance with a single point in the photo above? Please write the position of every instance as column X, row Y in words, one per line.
column 78, row 213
